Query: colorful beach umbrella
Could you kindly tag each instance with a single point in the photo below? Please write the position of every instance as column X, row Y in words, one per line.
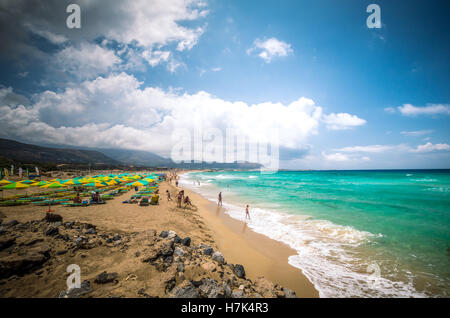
column 15, row 185
column 4, row 181
column 53, row 185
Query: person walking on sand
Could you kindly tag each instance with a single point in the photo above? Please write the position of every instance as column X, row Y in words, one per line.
column 168, row 195
column 220, row 199
column 246, row 212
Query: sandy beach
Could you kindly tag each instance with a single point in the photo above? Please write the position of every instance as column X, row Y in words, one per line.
column 204, row 224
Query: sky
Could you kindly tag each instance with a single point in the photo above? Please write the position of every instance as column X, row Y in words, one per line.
column 337, row 94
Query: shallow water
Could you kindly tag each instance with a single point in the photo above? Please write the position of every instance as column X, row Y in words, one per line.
column 357, row 233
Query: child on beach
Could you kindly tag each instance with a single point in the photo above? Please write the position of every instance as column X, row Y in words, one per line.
column 168, row 195
column 246, row 212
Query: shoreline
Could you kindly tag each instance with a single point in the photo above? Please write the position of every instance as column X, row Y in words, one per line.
column 260, row 255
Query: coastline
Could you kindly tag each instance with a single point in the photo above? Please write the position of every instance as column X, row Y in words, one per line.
column 260, row 255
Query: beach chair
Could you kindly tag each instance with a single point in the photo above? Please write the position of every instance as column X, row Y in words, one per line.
column 155, row 200
column 144, row 202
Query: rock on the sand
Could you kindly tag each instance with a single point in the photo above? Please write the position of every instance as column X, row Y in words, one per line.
column 239, row 270
column 10, row 223
column 52, row 217
column 91, row 231
column 289, row 293
column 7, row 243
column 22, row 264
column 52, row 231
column 164, row 234
column 171, row 235
column 186, row 241
column 218, row 257
column 84, row 289
column 105, row 278
column 208, row 250
column 184, row 290
column 178, row 251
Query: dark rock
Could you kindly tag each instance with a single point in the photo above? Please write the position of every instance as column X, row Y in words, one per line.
column 218, row 257
column 238, row 294
column 164, row 234
column 52, row 231
column 105, row 278
column 88, row 226
column 117, row 237
column 239, row 271
column 289, row 293
column 2, row 230
column 91, row 231
column 69, row 225
column 184, row 290
column 10, row 223
column 33, row 242
column 208, row 250
column 138, row 254
column 52, row 217
column 19, row 265
column 84, row 289
column 177, row 239
column 4, row 244
column 61, row 252
column 186, row 241
column 109, row 240
column 211, row 289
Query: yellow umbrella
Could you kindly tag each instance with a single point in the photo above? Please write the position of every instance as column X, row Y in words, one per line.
column 53, row 185
column 4, row 181
column 16, row 185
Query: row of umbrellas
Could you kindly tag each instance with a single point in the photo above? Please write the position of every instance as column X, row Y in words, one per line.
column 98, row 181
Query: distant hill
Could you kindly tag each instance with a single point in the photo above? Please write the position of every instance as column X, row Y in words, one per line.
column 27, row 153
column 137, row 157
column 149, row 159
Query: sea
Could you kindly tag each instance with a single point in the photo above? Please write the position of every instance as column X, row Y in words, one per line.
column 356, row 233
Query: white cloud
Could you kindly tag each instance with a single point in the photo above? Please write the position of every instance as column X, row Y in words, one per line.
column 116, row 111
column 156, row 57
column 86, row 61
column 342, row 121
column 270, row 48
column 429, row 147
column 390, row 110
column 216, row 69
column 416, row 133
column 155, row 26
column 433, row 109
column 335, row 157
column 368, row 149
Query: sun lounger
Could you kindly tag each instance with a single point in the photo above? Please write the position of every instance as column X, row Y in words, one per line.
column 155, row 200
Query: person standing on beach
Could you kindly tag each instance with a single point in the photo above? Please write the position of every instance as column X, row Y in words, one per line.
column 220, row 199
column 246, row 212
column 168, row 195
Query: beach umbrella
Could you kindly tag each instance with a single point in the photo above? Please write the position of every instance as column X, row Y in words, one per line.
column 15, row 185
column 4, row 181
column 27, row 181
column 139, row 183
column 95, row 185
column 40, row 183
column 53, row 185
column 72, row 182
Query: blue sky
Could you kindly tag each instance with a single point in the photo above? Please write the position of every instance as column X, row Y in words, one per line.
column 373, row 98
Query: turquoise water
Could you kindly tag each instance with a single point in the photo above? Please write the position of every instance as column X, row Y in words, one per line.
column 357, row 233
